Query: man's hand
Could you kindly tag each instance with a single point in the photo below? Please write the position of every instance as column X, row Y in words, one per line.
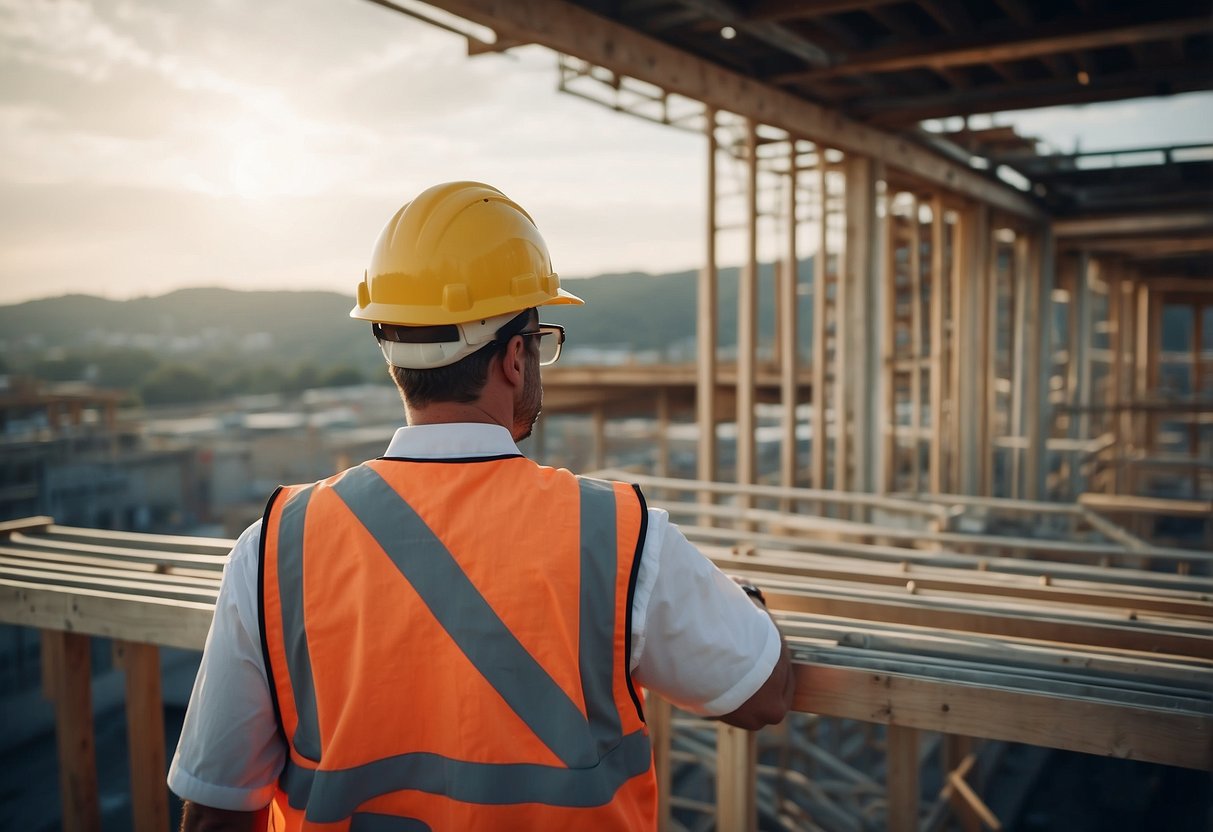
column 771, row 702
column 198, row 818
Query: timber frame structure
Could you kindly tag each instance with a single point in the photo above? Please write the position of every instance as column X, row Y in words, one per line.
column 1001, row 413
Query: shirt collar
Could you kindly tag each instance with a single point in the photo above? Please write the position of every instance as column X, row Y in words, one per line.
column 451, row 441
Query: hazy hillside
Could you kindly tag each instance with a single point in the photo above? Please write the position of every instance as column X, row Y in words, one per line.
column 199, row 343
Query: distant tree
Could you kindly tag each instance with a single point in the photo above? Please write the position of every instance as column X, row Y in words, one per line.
column 340, row 377
column 177, row 384
column 124, row 368
column 58, row 367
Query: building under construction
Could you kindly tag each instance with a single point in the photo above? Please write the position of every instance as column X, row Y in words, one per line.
column 988, row 514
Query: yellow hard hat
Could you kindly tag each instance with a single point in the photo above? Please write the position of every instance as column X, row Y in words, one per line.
column 459, row 252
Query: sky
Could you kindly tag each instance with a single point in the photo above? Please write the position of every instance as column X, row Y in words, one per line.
column 149, row 145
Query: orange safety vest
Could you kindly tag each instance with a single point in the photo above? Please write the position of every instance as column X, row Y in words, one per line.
column 447, row 645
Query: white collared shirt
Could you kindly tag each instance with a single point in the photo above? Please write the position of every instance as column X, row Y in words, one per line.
column 696, row 639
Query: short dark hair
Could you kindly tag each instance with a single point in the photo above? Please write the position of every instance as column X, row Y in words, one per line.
column 460, row 382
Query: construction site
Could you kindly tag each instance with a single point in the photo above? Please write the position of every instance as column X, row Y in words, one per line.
column 971, row 467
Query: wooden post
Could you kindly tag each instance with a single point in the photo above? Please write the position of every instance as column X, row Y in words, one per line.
column 935, row 481
column 902, row 776
column 861, row 305
column 820, row 357
column 1039, row 324
column 989, row 355
column 67, row 683
column 888, row 375
column 705, row 382
column 661, row 732
column 145, row 734
column 789, row 341
column 915, row 346
column 1023, row 373
column 747, row 323
column 971, row 370
column 736, row 773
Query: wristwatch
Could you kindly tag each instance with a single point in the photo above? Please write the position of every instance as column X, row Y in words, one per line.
column 754, row 592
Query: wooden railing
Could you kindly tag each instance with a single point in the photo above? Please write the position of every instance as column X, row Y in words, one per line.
column 919, row 626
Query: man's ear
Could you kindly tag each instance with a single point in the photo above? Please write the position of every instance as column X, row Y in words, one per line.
column 513, row 361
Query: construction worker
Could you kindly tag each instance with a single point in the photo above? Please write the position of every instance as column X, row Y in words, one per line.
column 451, row 637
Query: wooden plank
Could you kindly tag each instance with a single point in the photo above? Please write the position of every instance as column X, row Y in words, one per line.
column 1127, row 225
column 67, row 683
column 1131, row 503
column 802, row 9
column 916, row 344
column 939, row 278
column 789, row 343
column 145, row 734
column 567, row 28
column 962, row 793
column 1123, row 732
column 747, row 323
column 660, row 717
column 1001, row 624
column 705, row 332
column 820, row 358
column 1044, row 39
column 736, row 760
column 27, row 524
column 113, row 615
column 902, row 785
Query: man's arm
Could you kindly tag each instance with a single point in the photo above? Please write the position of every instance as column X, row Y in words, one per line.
column 198, row 818
column 771, row 702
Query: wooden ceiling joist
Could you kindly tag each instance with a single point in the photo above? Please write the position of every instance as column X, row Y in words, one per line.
column 567, row 28
column 800, row 9
column 1047, row 39
column 908, row 109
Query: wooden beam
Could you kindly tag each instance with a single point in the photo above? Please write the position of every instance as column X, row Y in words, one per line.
column 67, row 682
column 660, row 719
column 706, row 325
column 1123, row 225
column 820, row 360
column 770, row 32
column 860, row 372
column 902, row 109
column 902, row 778
column 747, row 322
column 736, row 760
column 1105, row 729
column 1046, row 39
column 939, row 279
column 567, row 28
column 802, row 9
column 789, row 332
column 145, row 734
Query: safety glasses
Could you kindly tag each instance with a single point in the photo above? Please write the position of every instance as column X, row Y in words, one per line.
column 551, row 339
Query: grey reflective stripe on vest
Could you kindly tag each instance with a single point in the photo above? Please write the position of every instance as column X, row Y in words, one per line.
column 598, row 759
column 294, row 633
column 597, row 624
column 367, row 822
column 331, row 796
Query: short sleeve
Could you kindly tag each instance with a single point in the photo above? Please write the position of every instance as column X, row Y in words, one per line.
column 697, row 639
column 230, row 752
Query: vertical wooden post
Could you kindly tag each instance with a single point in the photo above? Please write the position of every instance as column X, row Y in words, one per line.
column 889, row 371
column 736, row 779
column 902, row 782
column 989, row 352
column 935, row 324
column 971, row 370
column 1023, row 373
column 67, row 683
column 705, row 382
column 915, row 346
column 820, row 356
column 789, row 341
column 747, row 324
column 660, row 715
column 861, row 370
column 1197, row 383
column 1039, row 325
column 145, row 734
